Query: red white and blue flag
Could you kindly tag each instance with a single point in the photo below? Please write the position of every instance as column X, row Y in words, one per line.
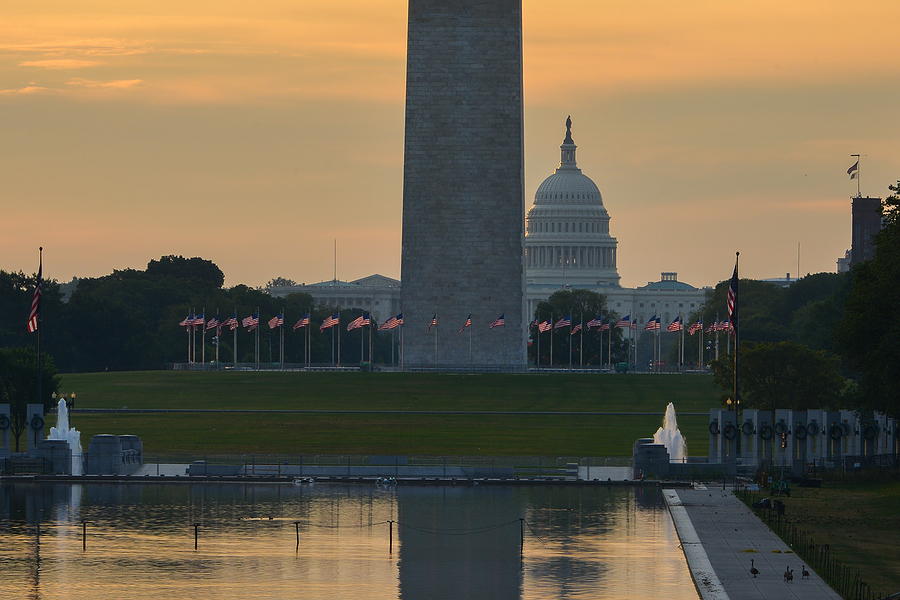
column 359, row 322
column 392, row 323
column 605, row 326
column 576, row 329
column 231, row 322
column 733, row 296
column 624, row 321
column 697, row 326
column 468, row 323
column 303, row 322
column 714, row 326
column 199, row 320
column 330, row 321
column 276, row 321
column 595, row 322
column 675, row 325
column 432, row 324
column 188, row 320
column 564, row 322
column 652, row 325
column 213, row 323
column 499, row 321
column 251, row 322
column 544, row 326
column 34, row 319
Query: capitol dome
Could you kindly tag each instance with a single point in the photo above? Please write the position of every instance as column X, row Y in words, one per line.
column 567, row 241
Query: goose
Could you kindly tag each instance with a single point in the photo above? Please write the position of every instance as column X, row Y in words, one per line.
column 805, row 572
column 753, row 570
column 789, row 575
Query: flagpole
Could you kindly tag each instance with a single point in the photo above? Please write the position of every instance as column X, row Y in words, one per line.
column 203, row 338
column 435, row 341
column 609, row 343
column 734, row 323
column 257, row 338
column 234, row 331
column 218, row 338
column 471, row 357
column 40, row 320
column 282, row 338
column 339, row 337
column 581, row 343
column 552, row 325
column 858, row 194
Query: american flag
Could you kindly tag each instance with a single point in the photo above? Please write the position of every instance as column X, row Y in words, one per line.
column 276, row 321
column 634, row 325
column 35, row 317
column 392, row 323
column 624, row 321
column 697, row 326
column 432, row 324
column 359, row 322
column 544, row 326
column 330, row 321
column 251, row 322
column 675, row 325
column 732, row 295
column 595, row 322
column 231, row 322
column 468, row 323
column 213, row 323
column 605, row 326
column 187, row 321
column 303, row 322
column 651, row 324
column 714, row 326
column 564, row 322
column 576, row 329
column 199, row 320
column 724, row 326
column 499, row 321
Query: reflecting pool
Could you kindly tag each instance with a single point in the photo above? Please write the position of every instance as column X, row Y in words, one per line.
column 333, row 541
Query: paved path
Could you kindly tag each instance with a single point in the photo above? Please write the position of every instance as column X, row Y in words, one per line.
column 720, row 536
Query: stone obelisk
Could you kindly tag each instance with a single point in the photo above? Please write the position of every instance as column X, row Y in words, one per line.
column 463, row 185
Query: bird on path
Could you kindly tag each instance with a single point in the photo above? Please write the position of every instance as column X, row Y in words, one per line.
column 805, row 572
column 753, row 570
column 789, row 575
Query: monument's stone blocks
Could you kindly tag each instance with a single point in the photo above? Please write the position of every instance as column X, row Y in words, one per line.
column 463, row 183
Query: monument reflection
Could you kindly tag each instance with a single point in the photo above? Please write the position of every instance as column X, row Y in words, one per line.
column 337, row 541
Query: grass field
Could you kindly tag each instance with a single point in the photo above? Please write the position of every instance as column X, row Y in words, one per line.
column 387, row 413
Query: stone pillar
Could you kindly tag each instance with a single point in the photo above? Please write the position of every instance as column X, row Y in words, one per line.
column 463, row 181
column 34, row 426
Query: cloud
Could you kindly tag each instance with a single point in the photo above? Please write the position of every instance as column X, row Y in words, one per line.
column 60, row 63
column 121, row 84
column 29, row 89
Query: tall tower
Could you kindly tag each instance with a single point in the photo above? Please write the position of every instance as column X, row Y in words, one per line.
column 463, row 184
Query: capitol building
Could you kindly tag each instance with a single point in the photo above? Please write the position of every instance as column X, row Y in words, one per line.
column 568, row 245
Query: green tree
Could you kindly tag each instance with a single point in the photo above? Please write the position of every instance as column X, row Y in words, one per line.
column 780, row 375
column 583, row 306
column 19, row 384
column 198, row 270
column 868, row 333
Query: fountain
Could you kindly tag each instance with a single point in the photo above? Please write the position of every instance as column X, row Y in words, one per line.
column 669, row 436
column 62, row 431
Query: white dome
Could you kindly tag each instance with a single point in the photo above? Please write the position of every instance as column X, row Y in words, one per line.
column 567, row 240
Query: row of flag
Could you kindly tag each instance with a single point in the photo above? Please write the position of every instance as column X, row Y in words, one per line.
column 252, row 322
column 653, row 324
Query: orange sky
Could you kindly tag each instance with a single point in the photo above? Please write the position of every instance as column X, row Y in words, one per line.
column 257, row 134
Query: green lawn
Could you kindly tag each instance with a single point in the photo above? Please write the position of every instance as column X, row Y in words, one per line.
column 640, row 400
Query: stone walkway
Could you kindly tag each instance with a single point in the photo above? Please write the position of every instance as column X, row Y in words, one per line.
column 720, row 536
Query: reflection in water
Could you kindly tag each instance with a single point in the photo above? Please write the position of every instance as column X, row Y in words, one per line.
column 448, row 542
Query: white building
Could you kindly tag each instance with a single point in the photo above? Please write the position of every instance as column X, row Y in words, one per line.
column 568, row 246
column 378, row 294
